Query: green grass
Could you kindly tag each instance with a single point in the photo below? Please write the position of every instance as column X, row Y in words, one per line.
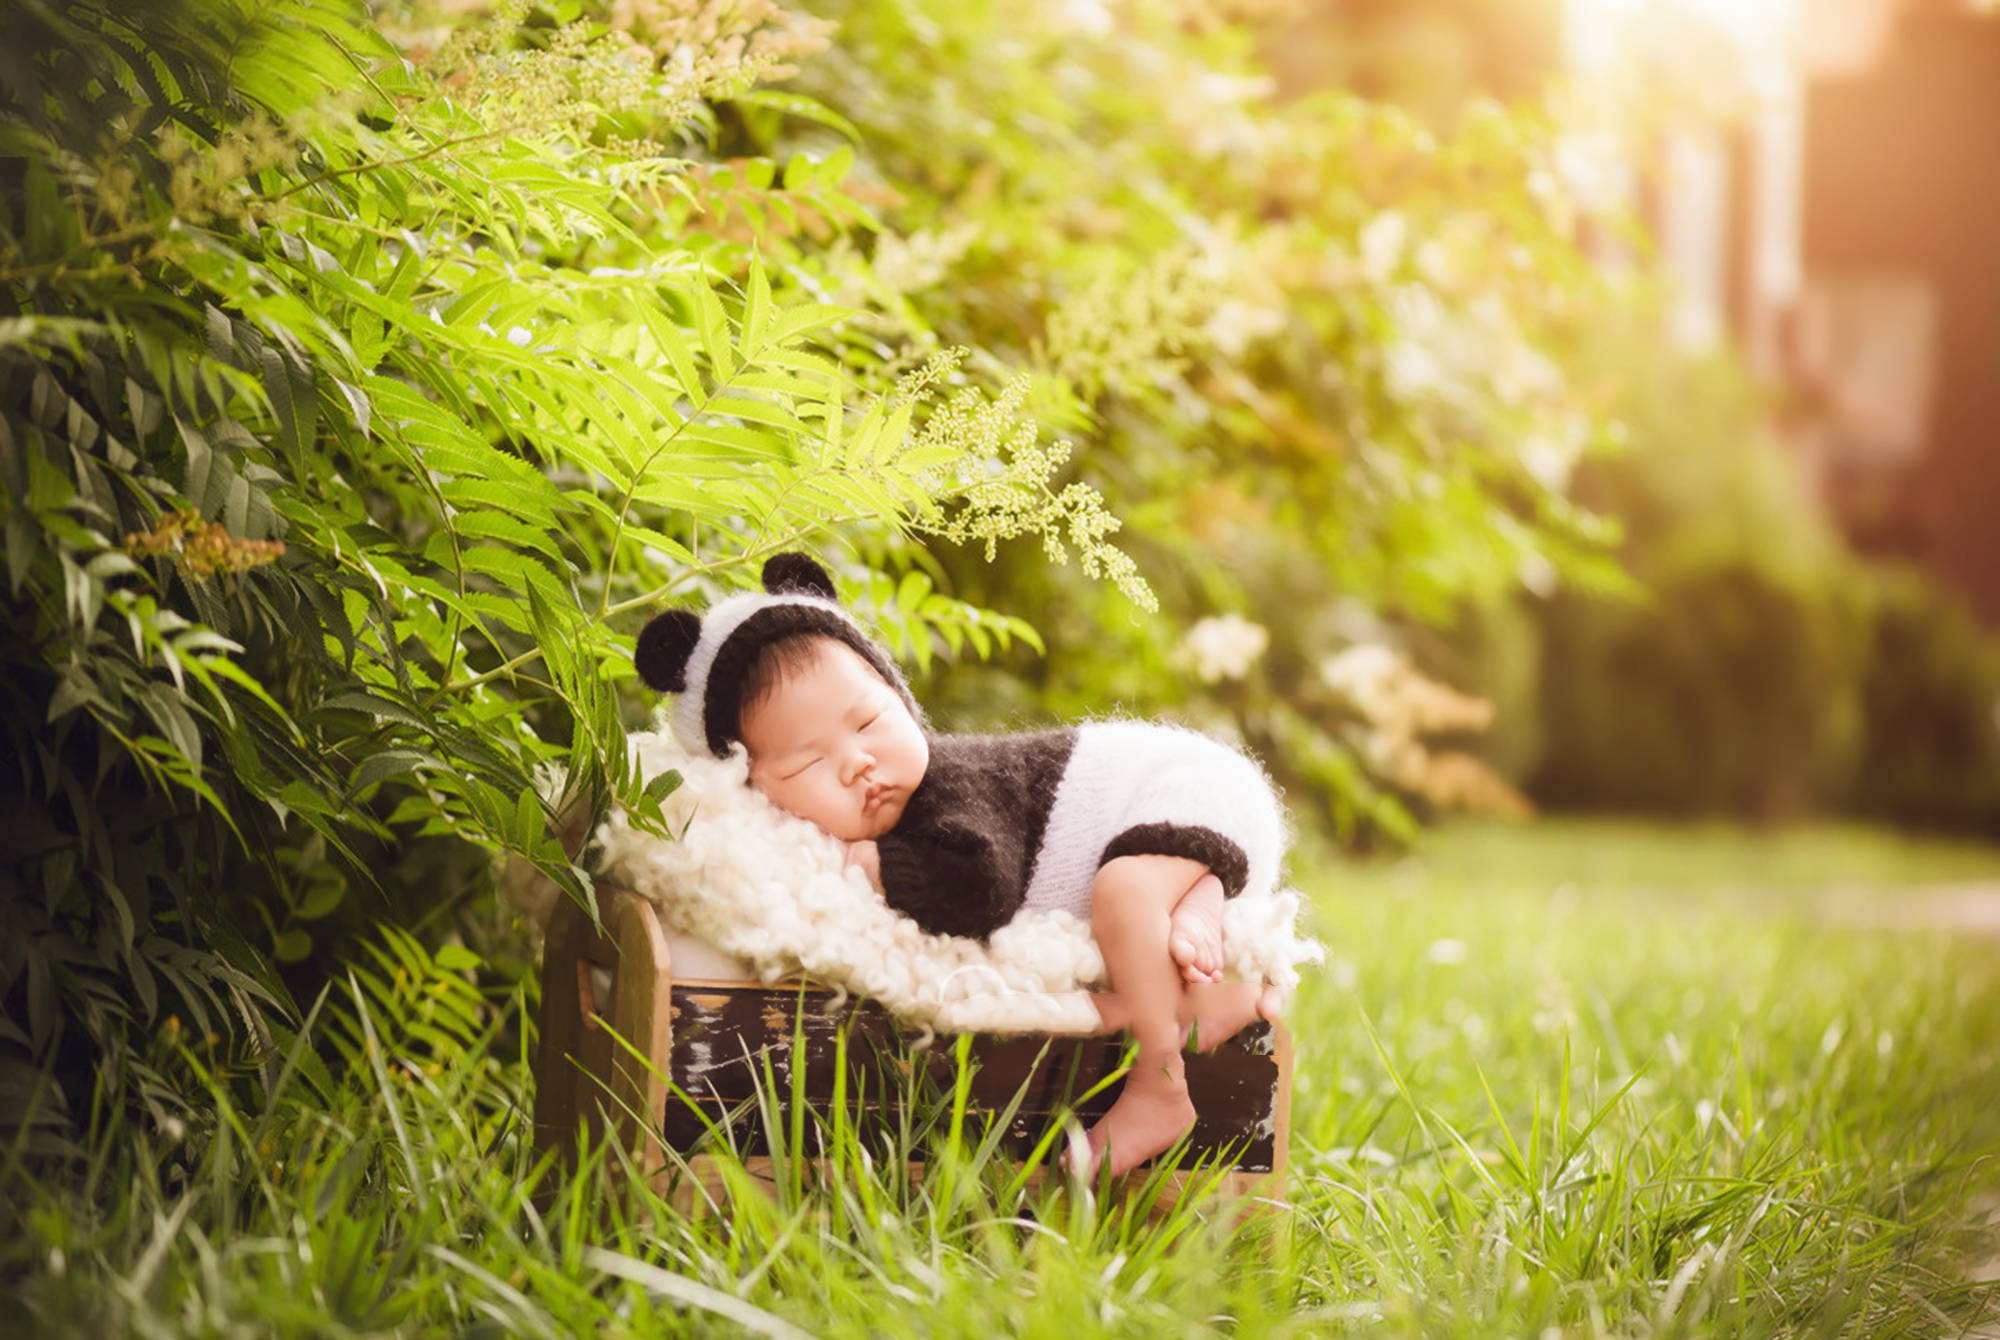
column 1569, row 1080
column 1605, row 855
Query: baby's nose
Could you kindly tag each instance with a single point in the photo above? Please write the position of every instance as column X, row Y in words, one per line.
column 859, row 764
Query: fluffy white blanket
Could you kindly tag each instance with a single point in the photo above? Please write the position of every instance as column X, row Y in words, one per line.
column 773, row 890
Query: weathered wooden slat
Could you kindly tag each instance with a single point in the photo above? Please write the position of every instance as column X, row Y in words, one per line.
column 571, row 1051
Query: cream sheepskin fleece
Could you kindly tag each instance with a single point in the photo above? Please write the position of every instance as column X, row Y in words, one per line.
column 773, row 890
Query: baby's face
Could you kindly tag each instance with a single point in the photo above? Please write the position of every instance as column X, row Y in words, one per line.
column 834, row 744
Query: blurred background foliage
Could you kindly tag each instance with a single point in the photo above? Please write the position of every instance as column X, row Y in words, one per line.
column 1765, row 670
column 1305, row 343
column 371, row 373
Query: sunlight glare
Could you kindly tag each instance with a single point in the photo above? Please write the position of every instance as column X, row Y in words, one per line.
column 1757, row 25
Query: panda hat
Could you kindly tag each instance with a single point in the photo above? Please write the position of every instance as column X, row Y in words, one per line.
column 704, row 660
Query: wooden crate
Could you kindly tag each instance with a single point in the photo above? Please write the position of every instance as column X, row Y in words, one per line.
column 717, row 1041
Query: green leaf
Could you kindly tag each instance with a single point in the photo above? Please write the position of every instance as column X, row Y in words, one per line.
column 501, row 526
column 24, row 539
column 796, row 322
column 530, row 822
column 357, row 405
column 712, row 325
column 673, row 344
column 374, row 705
column 538, row 505
column 321, row 900
column 169, row 712
column 288, row 385
column 457, row 958
column 756, row 309
column 662, row 786
column 805, row 108
column 384, row 764
column 915, row 586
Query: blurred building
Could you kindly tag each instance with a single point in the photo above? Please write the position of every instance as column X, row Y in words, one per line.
column 1897, row 337
column 1835, row 210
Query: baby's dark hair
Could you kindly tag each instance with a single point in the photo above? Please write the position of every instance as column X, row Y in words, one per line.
column 774, row 663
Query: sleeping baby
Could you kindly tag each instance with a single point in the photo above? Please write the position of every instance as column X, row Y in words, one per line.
column 1140, row 829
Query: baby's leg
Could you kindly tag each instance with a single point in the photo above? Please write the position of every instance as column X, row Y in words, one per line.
column 1196, row 938
column 1210, row 1011
column 1214, row 1012
column 1132, row 901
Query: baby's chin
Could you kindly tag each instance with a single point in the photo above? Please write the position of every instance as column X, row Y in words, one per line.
column 853, row 827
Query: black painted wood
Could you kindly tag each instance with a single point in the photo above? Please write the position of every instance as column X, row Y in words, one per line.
column 732, row 1043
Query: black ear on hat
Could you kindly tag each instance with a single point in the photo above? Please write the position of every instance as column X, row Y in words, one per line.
column 664, row 647
column 798, row 574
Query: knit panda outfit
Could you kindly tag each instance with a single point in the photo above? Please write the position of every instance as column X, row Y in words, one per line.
column 999, row 823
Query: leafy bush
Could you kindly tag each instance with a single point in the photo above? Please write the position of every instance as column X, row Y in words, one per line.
column 1728, row 686
column 1930, row 698
column 1729, row 690
column 1766, row 671
column 357, row 409
column 1308, row 347
column 367, row 384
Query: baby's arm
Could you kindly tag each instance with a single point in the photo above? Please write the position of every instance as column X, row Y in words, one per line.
column 947, row 881
column 1194, row 937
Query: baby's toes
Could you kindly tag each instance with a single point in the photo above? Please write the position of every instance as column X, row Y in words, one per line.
column 1183, row 948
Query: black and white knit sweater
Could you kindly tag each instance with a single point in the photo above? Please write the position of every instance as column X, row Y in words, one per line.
column 1003, row 823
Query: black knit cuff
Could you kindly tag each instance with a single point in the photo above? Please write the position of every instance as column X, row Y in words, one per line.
column 1224, row 859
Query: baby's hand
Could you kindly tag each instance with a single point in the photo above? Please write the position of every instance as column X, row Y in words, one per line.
column 869, row 857
column 1195, row 936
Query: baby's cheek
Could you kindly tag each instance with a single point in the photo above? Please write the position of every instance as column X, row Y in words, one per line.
column 831, row 806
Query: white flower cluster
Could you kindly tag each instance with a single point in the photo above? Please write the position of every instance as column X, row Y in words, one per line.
column 1461, row 355
column 1084, row 18
column 1234, row 326
column 1455, row 344
column 904, row 264
column 1400, row 706
column 1246, row 273
column 1129, row 334
column 1223, row 647
column 1382, row 241
column 1389, row 693
column 993, row 480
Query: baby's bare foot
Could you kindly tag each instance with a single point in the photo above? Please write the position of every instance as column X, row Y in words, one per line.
column 1194, row 937
column 1152, row 1113
column 1213, row 1013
